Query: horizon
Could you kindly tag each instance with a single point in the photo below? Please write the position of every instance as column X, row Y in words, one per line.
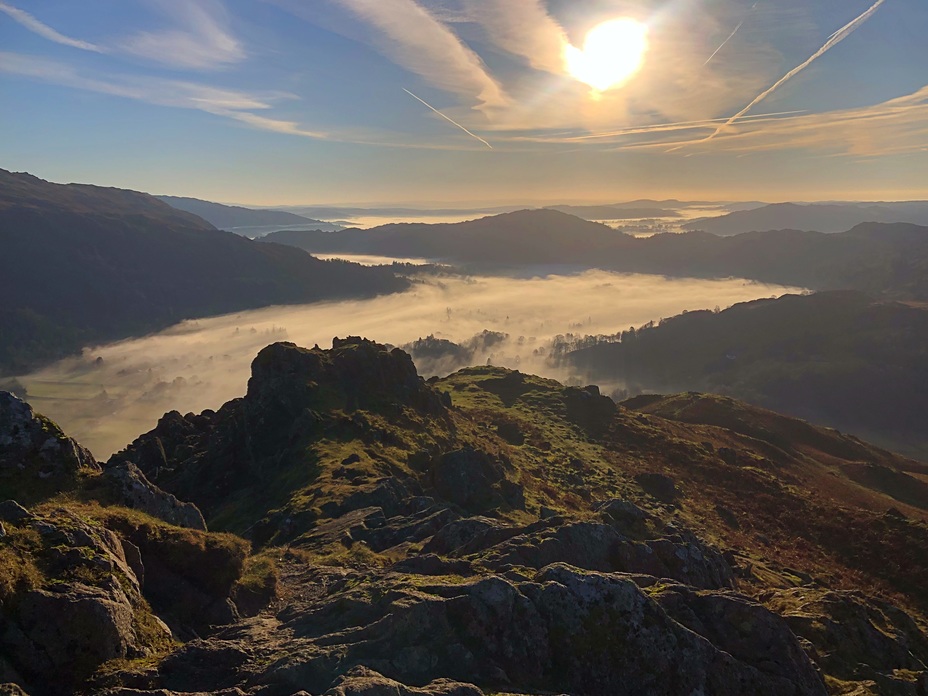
column 487, row 205
column 470, row 102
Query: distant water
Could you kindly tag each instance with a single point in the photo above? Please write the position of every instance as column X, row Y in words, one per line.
column 201, row 364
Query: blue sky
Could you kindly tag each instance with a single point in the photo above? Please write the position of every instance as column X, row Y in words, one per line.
column 303, row 101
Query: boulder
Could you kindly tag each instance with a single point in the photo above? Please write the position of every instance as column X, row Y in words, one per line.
column 474, row 480
column 37, row 459
column 11, row 511
column 84, row 608
column 659, row 486
column 134, row 490
column 855, row 638
column 624, row 513
column 361, row 681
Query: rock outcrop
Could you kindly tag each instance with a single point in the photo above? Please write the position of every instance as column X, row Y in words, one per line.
column 405, row 544
column 857, row 639
column 137, row 492
column 71, row 602
column 36, row 458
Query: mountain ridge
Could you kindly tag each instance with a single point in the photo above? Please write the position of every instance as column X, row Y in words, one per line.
column 880, row 259
column 84, row 264
column 234, row 217
column 490, row 531
column 820, row 217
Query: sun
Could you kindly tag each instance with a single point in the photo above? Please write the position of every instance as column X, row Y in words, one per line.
column 612, row 53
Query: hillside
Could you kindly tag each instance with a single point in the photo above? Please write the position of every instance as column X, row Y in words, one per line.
column 237, row 218
column 491, row 532
column 82, row 264
column 873, row 258
column 527, row 236
column 819, row 217
column 838, row 358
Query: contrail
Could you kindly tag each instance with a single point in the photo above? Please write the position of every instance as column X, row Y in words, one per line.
column 722, row 45
column 730, row 37
column 449, row 120
column 833, row 40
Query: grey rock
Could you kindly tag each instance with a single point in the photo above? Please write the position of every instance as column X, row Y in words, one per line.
column 361, row 681
column 623, row 511
column 58, row 634
column 565, row 629
column 469, row 535
column 137, row 492
column 856, row 638
column 35, row 453
column 600, row 547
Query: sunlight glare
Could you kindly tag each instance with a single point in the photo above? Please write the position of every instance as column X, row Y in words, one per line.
column 612, row 53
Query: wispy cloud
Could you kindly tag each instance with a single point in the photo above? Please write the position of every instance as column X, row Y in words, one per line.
column 415, row 39
column 45, row 31
column 248, row 108
column 234, row 104
column 523, row 28
column 896, row 126
column 199, row 40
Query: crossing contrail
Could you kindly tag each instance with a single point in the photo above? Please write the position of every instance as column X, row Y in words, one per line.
column 833, row 40
column 449, row 120
column 730, row 37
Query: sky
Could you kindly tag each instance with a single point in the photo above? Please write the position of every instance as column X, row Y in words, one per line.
column 289, row 102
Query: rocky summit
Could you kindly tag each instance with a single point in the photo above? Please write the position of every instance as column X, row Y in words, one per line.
column 347, row 528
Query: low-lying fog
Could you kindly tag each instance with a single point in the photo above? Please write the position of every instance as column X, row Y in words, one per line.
column 115, row 392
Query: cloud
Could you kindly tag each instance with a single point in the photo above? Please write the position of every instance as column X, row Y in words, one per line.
column 897, row 126
column 234, row 104
column 201, row 41
column 45, row 31
column 417, row 40
column 203, row 363
column 523, row 28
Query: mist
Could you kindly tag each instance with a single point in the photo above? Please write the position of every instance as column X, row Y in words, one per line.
column 111, row 394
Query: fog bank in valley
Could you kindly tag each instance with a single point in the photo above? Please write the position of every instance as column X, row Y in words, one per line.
column 113, row 393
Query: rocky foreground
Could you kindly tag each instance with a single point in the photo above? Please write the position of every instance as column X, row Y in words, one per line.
column 347, row 528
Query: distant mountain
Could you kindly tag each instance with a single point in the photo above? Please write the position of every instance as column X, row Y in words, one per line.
column 329, row 212
column 617, row 212
column 874, row 258
column 672, row 203
column 82, row 264
column 238, row 219
column 837, row 358
column 528, row 236
column 812, row 217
